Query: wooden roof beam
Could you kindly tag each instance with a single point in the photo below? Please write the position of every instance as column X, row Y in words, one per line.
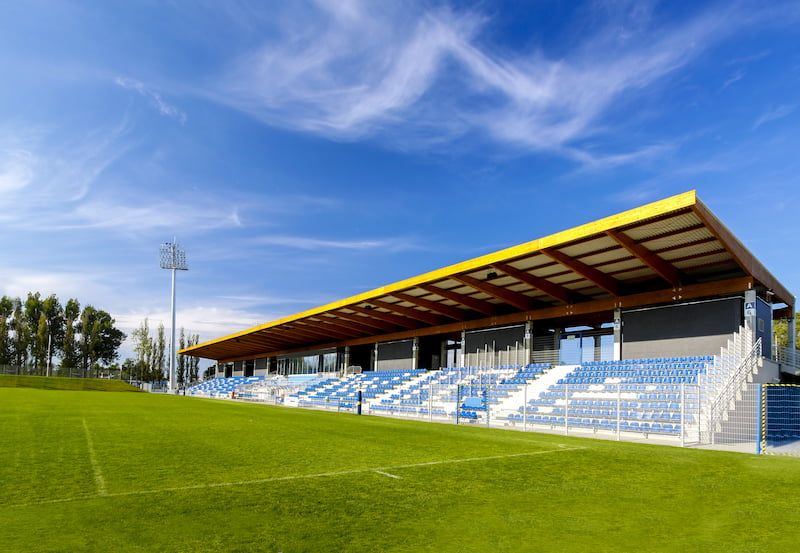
column 564, row 295
column 388, row 317
column 368, row 321
column 475, row 304
column 520, row 301
column 303, row 333
column 607, row 283
column 341, row 321
column 657, row 264
column 423, row 316
column 328, row 333
column 333, row 328
column 446, row 310
column 742, row 255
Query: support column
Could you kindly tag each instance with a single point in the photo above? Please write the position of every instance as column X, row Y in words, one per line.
column 462, row 362
column 346, row 359
column 375, row 357
column 617, row 334
column 415, row 353
column 791, row 332
column 528, row 343
column 557, row 344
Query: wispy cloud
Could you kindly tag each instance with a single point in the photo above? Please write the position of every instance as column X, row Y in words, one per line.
column 47, row 184
column 736, row 76
column 360, row 69
column 39, row 169
column 270, row 300
column 16, row 170
column 773, row 114
column 154, row 97
column 304, row 243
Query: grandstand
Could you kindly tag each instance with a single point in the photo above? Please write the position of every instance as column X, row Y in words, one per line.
column 654, row 323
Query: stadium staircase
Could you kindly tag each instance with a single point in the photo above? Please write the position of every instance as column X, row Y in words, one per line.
column 728, row 391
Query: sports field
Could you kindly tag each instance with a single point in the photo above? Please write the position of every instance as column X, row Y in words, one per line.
column 101, row 471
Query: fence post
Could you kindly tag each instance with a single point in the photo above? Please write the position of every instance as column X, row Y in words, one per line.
column 525, row 406
column 619, row 407
column 430, row 400
column 566, row 409
column 683, row 414
column 458, row 401
column 486, row 401
column 760, row 422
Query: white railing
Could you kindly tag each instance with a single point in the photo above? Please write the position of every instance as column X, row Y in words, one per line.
column 786, row 356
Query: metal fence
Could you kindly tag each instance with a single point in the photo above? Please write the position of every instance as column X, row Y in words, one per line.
column 621, row 411
column 779, row 420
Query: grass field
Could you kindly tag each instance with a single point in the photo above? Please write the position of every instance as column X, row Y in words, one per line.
column 56, row 383
column 98, row 471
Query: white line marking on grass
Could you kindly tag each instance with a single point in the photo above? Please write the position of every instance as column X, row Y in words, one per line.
column 98, row 476
column 380, row 470
column 387, row 474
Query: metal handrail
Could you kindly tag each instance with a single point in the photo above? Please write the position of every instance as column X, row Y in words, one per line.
column 786, row 356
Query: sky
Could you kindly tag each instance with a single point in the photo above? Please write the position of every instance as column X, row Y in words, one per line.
column 304, row 152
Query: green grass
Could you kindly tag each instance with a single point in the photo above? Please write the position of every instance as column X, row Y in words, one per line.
column 88, row 471
column 57, row 383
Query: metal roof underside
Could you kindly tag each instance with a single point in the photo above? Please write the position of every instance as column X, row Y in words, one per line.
column 669, row 250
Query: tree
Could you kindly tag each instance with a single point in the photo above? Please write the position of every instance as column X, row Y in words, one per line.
column 69, row 347
column 19, row 345
column 33, row 315
column 54, row 314
column 781, row 334
column 143, row 346
column 99, row 340
column 86, row 342
column 182, row 361
column 159, row 353
column 6, row 310
column 193, row 362
column 39, row 345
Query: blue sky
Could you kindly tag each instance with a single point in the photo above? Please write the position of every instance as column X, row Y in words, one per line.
column 303, row 152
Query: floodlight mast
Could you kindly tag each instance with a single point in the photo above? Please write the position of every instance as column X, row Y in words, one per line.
column 173, row 257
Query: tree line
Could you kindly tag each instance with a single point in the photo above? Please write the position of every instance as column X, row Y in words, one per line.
column 152, row 356
column 38, row 331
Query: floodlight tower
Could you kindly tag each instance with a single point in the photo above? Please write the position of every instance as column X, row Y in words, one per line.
column 173, row 257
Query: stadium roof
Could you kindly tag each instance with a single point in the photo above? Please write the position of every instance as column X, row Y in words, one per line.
column 670, row 250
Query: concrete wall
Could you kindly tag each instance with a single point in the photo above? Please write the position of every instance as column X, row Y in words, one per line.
column 680, row 330
column 506, row 346
column 395, row 356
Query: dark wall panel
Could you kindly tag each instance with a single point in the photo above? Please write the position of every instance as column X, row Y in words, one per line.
column 680, row 330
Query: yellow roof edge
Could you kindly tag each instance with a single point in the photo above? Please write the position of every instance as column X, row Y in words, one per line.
column 674, row 203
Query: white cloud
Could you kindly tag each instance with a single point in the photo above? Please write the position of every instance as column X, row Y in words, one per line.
column 155, row 98
column 18, row 282
column 773, row 114
column 16, row 170
column 305, row 243
column 364, row 69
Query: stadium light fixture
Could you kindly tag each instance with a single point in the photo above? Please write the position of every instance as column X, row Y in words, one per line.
column 173, row 257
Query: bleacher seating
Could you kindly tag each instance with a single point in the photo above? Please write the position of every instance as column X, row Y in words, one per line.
column 641, row 395
column 634, row 395
column 343, row 393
